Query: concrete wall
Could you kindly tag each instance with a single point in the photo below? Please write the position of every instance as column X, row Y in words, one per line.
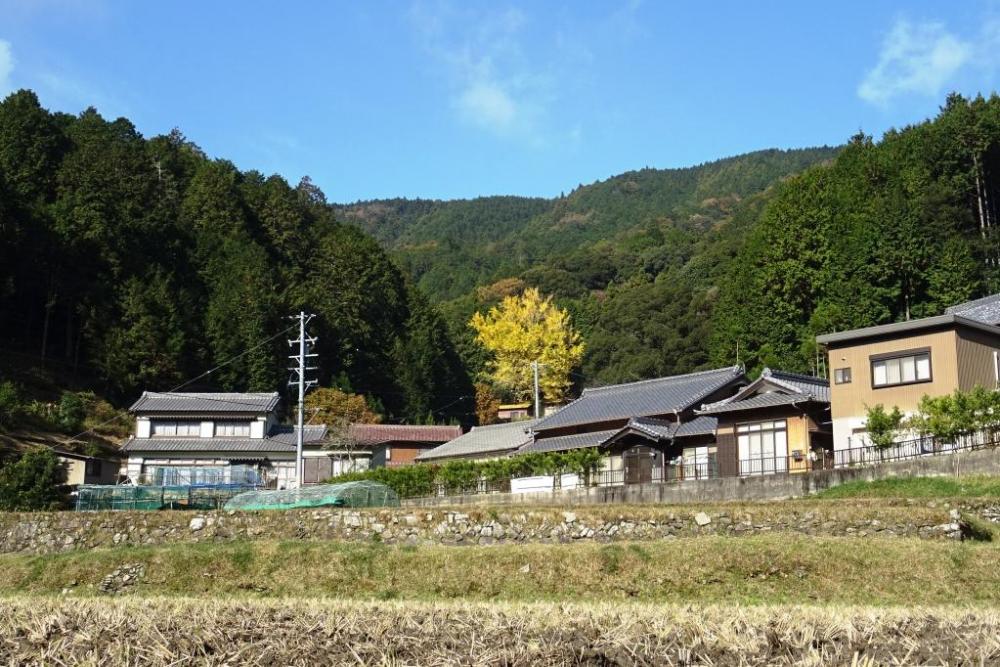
column 764, row 487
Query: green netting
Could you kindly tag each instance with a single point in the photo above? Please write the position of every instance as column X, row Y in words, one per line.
column 202, row 497
column 347, row 494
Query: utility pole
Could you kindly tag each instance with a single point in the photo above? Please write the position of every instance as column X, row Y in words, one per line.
column 538, row 400
column 304, row 343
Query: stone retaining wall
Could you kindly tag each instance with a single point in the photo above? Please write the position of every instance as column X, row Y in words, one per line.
column 50, row 532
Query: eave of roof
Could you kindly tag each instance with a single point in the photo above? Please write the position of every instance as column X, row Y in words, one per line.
column 566, row 442
column 946, row 320
column 659, row 430
column 769, row 400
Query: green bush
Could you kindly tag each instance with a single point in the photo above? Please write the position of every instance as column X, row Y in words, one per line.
column 10, row 404
column 35, row 481
column 71, row 412
column 456, row 477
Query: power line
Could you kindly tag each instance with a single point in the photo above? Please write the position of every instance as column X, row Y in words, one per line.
column 195, row 379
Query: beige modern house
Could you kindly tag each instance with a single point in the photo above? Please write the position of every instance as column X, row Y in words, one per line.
column 897, row 364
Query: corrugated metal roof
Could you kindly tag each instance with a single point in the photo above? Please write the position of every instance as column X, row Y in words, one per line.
column 949, row 319
column 565, row 442
column 205, row 403
column 495, row 438
column 644, row 398
column 281, row 439
column 374, row 434
column 985, row 310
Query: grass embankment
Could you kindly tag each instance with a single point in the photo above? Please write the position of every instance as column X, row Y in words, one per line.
column 296, row 632
column 754, row 570
column 971, row 487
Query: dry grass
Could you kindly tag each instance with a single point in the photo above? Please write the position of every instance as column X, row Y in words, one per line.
column 182, row 631
column 767, row 569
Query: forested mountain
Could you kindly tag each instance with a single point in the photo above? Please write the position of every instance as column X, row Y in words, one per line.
column 140, row 263
column 636, row 258
column 893, row 229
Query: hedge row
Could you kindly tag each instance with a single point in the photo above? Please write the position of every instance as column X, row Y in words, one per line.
column 453, row 477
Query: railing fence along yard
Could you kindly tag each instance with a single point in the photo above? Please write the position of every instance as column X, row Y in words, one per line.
column 675, row 472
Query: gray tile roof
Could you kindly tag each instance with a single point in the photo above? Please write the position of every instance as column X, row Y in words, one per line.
column 986, row 310
column 287, row 434
column 773, row 388
column 483, row 440
column 661, row 429
column 199, row 445
column 566, row 442
column 204, row 402
column 281, row 439
column 767, row 400
column 908, row 326
column 640, row 399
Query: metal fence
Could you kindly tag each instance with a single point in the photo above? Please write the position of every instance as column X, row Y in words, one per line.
column 915, row 448
column 796, row 463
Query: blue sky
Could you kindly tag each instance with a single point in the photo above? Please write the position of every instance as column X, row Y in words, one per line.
column 445, row 99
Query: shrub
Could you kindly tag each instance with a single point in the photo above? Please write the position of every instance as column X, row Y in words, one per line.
column 35, row 481
column 947, row 418
column 463, row 476
column 10, row 404
column 883, row 425
column 71, row 412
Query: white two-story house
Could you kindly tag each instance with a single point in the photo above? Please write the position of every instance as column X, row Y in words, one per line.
column 214, row 438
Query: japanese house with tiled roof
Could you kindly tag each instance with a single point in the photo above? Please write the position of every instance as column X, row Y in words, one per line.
column 216, row 438
column 778, row 423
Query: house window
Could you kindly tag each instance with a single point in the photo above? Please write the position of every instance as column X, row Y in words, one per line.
column 842, row 376
column 176, row 428
column 763, row 447
column 93, row 468
column 232, row 428
column 906, row 368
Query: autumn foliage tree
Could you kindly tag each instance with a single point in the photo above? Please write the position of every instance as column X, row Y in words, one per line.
column 335, row 408
column 526, row 328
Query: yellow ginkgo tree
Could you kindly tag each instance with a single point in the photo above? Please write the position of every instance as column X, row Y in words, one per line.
column 525, row 328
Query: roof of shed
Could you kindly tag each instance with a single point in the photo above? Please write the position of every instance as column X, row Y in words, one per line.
column 659, row 396
column 205, row 402
column 494, row 438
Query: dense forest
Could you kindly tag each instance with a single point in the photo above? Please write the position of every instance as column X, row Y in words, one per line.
column 139, row 263
column 637, row 259
column 744, row 259
column 890, row 230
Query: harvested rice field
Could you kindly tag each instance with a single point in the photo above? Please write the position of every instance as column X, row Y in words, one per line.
column 161, row 632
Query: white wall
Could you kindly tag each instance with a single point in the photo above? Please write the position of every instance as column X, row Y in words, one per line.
column 142, row 427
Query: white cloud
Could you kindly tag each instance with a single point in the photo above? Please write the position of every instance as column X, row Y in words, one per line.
column 487, row 104
column 494, row 85
column 919, row 59
column 6, row 66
